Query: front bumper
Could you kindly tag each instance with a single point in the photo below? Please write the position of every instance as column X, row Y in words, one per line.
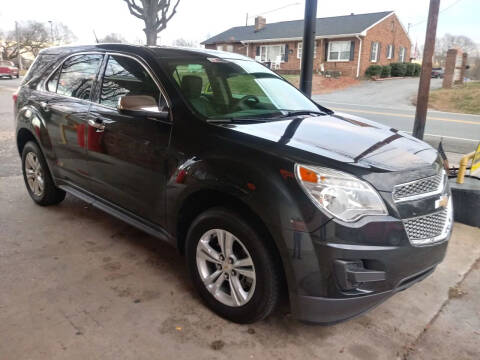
column 379, row 248
column 332, row 310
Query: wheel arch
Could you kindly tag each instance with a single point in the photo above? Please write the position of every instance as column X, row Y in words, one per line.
column 204, row 199
column 23, row 136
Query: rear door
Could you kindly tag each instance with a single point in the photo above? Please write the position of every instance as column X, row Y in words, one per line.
column 65, row 107
column 127, row 154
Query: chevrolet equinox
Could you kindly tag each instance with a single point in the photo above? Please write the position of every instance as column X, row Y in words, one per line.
column 265, row 191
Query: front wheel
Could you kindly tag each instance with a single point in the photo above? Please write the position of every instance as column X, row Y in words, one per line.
column 232, row 266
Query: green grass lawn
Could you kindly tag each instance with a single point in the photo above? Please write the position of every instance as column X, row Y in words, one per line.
column 461, row 99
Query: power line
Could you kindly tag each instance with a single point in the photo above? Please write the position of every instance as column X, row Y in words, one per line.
column 441, row 11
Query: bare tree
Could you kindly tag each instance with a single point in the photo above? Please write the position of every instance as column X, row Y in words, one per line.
column 62, row 34
column 184, row 43
column 113, row 38
column 449, row 41
column 155, row 14
column 33, row 36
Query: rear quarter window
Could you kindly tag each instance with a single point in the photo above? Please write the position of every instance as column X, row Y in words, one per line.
column 40, row 69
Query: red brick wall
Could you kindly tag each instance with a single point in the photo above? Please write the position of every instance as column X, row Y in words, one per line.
column 389, row 31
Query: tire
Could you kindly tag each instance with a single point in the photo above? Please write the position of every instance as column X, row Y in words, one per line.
column 34, row 168
column 264, row 296
column 17, row 76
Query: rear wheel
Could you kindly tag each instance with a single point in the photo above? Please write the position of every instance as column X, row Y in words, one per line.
column 232, row 267
column 37, row 178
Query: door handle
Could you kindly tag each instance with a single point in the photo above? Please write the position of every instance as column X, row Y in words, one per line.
column 97, row 123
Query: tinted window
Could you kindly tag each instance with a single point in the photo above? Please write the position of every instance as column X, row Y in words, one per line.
column 126, row 76
column 53, row 81
column 77, row 76
column 221, row 88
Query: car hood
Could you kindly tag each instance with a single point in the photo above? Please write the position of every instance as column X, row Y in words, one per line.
column 346, row 138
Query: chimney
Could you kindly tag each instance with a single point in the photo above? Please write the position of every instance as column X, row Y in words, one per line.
column 260, row 23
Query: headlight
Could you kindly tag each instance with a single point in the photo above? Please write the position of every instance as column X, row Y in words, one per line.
column 339, row 194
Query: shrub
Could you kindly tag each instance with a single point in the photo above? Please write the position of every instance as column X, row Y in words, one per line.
column 417, row 70
column 410, row 69
column 386, row 71
column 398, row 69
column 373, row 70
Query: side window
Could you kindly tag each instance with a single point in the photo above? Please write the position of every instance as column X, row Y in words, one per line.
column 52, row 83
column 192, row 73
column 244, row 84
column 77, row 76
column 126, row 76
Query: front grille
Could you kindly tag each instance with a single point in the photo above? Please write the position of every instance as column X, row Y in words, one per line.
column 419, row 188
column 427, row 229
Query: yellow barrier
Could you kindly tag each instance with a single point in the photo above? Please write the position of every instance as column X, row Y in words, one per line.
column 463, row 167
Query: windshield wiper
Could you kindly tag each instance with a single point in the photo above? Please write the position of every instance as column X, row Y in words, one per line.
column 236, row 120
column 303, row 112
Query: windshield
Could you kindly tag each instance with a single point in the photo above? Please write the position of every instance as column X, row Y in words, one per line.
column 226, row 89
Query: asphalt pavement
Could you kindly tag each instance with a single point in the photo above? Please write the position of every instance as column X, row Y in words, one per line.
column 76, row 283
column 390, row 103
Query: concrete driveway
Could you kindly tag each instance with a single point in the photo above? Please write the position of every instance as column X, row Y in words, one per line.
column 76, row 283
column 396, row 93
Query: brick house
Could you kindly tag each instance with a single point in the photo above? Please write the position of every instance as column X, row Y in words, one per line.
column 344, row 44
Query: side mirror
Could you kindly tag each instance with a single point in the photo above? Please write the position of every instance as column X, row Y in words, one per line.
column 141, row 105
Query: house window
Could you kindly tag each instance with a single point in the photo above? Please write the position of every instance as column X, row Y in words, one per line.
column 339, row 50
column 220, row 47
column 299, row 50
column 272, row 53
column 390, row 51
column 229, row 48
column 374, row 53
column 401, row 54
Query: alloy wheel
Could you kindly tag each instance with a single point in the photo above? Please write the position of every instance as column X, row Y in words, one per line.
column 226, row 267
column 34, row 174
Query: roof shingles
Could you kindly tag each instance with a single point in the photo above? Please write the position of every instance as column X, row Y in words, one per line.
column 329, row 26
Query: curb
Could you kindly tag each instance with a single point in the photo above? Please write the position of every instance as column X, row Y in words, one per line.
column 466, row 201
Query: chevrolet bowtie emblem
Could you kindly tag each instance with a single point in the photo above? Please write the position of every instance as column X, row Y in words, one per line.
column 442, row 202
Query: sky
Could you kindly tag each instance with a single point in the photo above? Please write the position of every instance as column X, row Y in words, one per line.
column 197, row 20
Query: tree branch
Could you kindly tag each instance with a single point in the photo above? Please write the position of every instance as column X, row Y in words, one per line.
column 135, row 10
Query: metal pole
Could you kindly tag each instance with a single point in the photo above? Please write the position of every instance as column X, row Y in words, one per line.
column 51, row 30
column 308, row 47
column 424, row 86
column 19, row 57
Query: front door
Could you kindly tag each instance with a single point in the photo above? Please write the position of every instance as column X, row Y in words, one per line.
column 65, row 107
column 126, row 152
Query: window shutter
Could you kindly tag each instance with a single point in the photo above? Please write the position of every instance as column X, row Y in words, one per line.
column 257, row 51
column 352, row 50
column 326, row 49
column 371, row 51
column 285, row 55
column 393, row 52
column 379, row 51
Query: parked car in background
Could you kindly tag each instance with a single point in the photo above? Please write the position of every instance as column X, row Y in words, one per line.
column 8, row 68
column 437, row 73
column 265, row 191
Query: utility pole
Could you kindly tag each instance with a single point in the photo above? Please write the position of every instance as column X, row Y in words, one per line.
column 309, row 30
column 19, row 57
column 51, row 30
column 425, row 76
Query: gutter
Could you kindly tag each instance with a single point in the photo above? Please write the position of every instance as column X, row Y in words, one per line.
column 299, row 38
column 359, row 55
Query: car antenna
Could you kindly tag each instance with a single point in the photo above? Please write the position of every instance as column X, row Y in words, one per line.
column 96, row 38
